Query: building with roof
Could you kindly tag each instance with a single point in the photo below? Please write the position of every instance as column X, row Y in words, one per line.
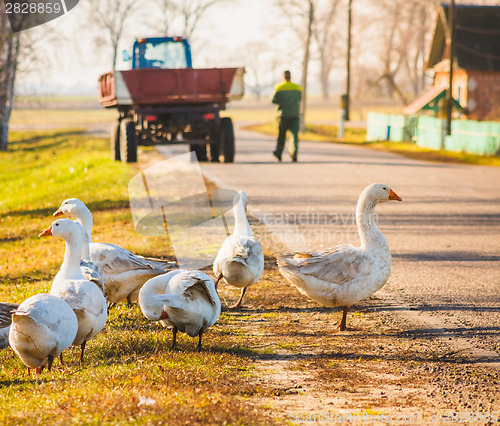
column 476, row 62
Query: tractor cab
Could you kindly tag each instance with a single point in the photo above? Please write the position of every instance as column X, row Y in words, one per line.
column 160, row 52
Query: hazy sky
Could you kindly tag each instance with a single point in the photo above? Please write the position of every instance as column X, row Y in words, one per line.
column 71, row 59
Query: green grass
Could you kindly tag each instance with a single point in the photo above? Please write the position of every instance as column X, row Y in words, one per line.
column 41, row 166
column 353, row 135
column 129, row 374
column 38, row 172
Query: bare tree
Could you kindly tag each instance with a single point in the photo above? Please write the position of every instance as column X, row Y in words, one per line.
column 413, row 58
column 392, row 57
column 192, row 11
column 301, row 18
column 168, row 10
column 9, row 54
column 110, row 16
column 261, row 63
column 189, row 12
column 326, row 38
column 402, row 29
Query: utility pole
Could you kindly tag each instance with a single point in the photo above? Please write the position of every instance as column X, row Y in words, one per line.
column 345, row 98
column 348, row 79
column 451, row 29
column 305, row 65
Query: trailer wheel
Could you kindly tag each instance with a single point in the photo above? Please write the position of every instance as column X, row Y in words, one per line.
column 200, row 151
column 128, row 141
column 115, row 142
column 226, row 142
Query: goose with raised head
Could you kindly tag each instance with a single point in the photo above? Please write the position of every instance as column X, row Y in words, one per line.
column 344, row 275
column 123, row 272
column 186, row 301
column 84, row 297
column 240, row 261
column 43, row 326
column 5, row 321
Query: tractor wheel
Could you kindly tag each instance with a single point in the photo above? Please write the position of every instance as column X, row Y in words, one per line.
column 200, row 151
column 226, row 141
column 213, row 152
column 128, row 141
column 115, row 142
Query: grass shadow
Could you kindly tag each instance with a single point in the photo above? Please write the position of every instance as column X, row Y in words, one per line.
column 35, row 143
column 95, row 206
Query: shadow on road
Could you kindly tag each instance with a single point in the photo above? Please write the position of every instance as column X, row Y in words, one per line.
column 446, row 256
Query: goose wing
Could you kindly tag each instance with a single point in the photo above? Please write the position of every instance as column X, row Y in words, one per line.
column 246, row 249
column 194, row 284
column 338, row 265
column 93, row 272
column 112, row 258
column 6, row 313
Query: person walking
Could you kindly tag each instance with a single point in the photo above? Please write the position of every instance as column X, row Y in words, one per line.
column 287, row 96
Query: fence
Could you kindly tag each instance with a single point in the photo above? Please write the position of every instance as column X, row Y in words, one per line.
column 475, row 137
column 384, row 127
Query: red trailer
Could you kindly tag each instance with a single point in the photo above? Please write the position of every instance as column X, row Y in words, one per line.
column 163, row 100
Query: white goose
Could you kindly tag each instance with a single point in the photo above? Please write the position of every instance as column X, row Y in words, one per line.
column 43, row 326
column 90, row 270
column 344, row 275
column 240, row 261
column 5, row 321
column 187, row 301
column 123, row 272
column 84, row 297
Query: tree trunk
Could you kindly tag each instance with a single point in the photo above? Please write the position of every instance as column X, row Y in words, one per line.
column 7, row 88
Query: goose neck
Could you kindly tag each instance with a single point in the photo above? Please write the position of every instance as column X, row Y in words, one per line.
column 84, row 218
column 241, row 225
column 70, row 267
column 85, row 245
column 151, row 307
column 369, row 233
column 86, row 250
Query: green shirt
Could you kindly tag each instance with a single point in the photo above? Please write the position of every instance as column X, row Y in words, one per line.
column 288, row 95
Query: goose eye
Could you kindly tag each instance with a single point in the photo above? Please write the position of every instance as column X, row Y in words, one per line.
column 57, row 224
column 384, row 188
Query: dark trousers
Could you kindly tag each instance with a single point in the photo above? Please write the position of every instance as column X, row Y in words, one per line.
column 292, row 124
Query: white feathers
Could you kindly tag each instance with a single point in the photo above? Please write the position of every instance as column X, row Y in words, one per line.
column 345, row 274
column 123, row 272
column 184, row 300
column 42, row 327
column 84, row 297
column 240, row 261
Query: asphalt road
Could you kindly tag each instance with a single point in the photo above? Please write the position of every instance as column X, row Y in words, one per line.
column 444, row 236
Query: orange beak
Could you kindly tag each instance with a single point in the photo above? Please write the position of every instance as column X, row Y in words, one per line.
column 164, row 315
column 394, row 196
column 47, row 232
column 58, row 212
